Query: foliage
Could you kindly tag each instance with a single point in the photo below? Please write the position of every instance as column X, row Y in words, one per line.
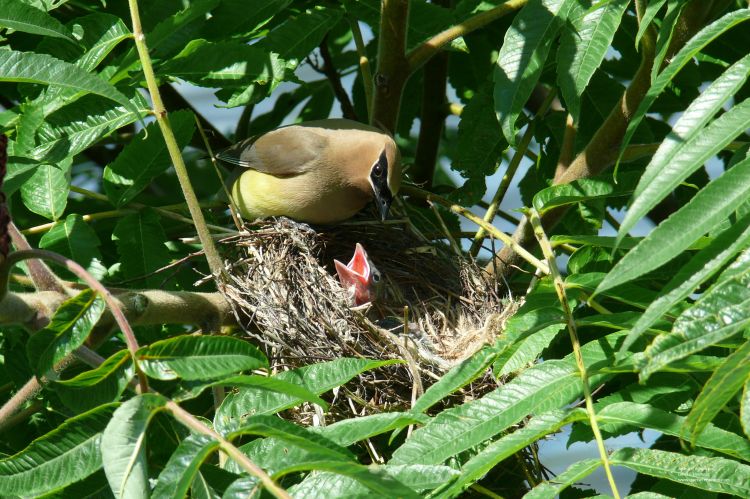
column 659, row 324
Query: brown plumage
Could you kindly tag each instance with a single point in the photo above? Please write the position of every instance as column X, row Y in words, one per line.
column 319, row 171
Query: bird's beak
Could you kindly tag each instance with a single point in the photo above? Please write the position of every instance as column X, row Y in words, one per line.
column 356, row 276
column 383, row 198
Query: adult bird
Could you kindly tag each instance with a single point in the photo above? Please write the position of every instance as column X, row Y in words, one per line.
column 319, row 171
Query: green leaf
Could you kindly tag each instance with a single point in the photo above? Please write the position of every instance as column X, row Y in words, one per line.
column 685, row 55
column 316, row 378
column 144, row 158
column 123, row 445
column 199, row 357
column 720, row 313
column 544, row 387
column 98, row 386
column 653, row 8
column 374, row 477
column 63, row 456
column 67, row 330
column 574, row 474
column 75, row 127
column 534, row 430
column 459, row 376
column 525, row 351
column 266, row 385
column 701, row 267
column 582, row 190
column 714, row 474
column 666, row 34
column 622, row 417
column 221, row 64
column 272, row 426
column 23, row 17
column 480, row 140
column 690, row 145
column 296, row 37
column 583, row 45
column 745, row 408
column 28, row 67
column 720, row 388
column 75, row 239
column 522, row 56
column 350, row 431
column 102, row 32
column 46, row 192
column 232, row 17
column 140, row 243
column 183, row 466
column 705, row 211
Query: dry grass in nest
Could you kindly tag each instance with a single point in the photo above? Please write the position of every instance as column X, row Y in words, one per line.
column 284, row 291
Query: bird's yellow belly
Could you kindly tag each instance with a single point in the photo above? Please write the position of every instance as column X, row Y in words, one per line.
column 306, row 198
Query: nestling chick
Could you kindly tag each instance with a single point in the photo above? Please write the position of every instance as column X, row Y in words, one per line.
column 359, row 277
column 318, row 172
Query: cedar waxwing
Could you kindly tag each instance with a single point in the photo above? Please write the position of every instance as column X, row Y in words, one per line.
column 319, row 171
column 359, row 277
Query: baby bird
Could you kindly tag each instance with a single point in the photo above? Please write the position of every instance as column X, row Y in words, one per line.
column 359, row 277
column 318, row 172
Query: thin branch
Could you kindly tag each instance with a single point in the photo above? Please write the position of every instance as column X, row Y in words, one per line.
column 562, row 296
column 422, row 53
column 174, row 100
column 364, row 64
column 212, row 255
column 329, row 70
column 233, row 452
column 568, row 148
column 393, row 68
column 494, row 231
column 515, row 161
column 432, row 120
column 44, row 279
column 84, row 275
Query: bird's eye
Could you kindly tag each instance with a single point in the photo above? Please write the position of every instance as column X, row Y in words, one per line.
column 376, row 277
column 377, row 170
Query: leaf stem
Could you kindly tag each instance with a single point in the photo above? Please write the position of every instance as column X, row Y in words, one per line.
column 84, row 275
column 494, row 231
column 233, row 452
column 162, row 118
column 422, row 53
column 562, row 296
column 515, row 161
column 364, row 64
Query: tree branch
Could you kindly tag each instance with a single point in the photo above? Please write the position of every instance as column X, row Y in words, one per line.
column 329, row 70
column 432, row 120
column 393, row 68
column 601, row 151
column 421, row 54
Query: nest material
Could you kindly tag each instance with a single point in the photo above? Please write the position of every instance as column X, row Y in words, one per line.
column 434, row 309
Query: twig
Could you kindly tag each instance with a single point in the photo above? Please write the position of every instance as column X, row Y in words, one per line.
column 212, row 255
column 83, row 274
column 515, row 161
column 393, row 68
column 494, row 231
column 423, row 52
column 364, row 64
column 431, row 121
column 568, row 148
column 329, row 70
column 562, row 296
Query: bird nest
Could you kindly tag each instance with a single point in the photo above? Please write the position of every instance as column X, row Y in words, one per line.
column 434, row 308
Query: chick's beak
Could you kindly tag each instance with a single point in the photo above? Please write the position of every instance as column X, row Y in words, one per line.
column 356, row 276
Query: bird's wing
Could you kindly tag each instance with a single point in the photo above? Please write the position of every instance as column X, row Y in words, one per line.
column 287, row 151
